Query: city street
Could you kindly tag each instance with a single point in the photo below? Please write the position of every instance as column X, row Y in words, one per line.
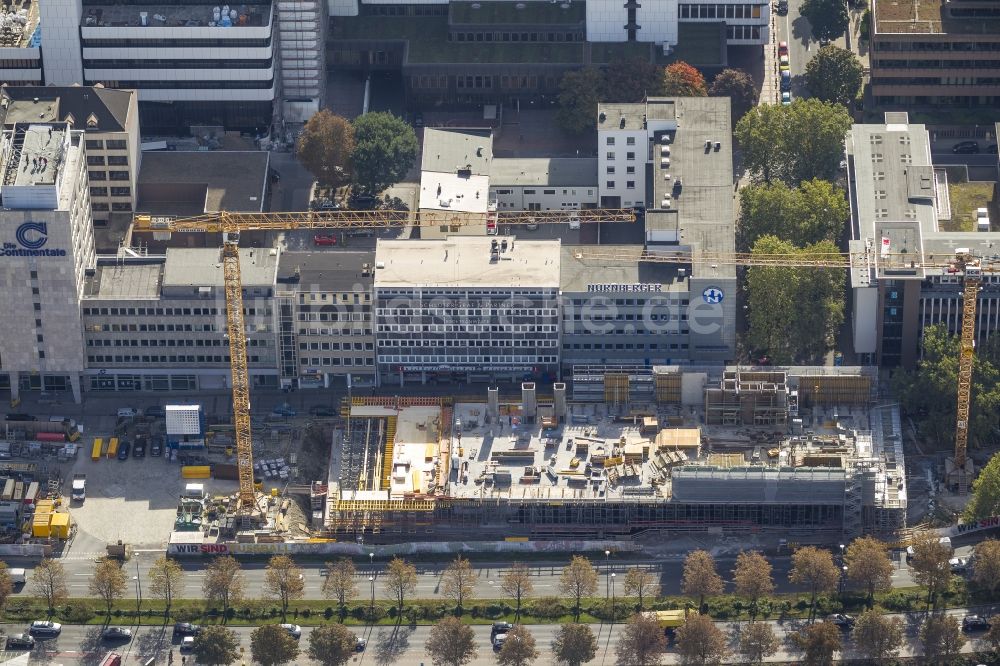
column 795, row 29
column 403, row 645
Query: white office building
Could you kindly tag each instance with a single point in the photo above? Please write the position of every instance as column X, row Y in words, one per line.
column 47, row 246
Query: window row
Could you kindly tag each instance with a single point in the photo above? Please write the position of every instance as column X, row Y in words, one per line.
column 134, row 358
column 598, row 346
column 719, row 11
column 471, row 312
column 170, row 312
column 458, row 328
column 335, row 331
column 504, row 36
column 173, row 342
column 446, row 360
column 335, row 346
column 336, row 360
column 466, row 343
column 333, row 316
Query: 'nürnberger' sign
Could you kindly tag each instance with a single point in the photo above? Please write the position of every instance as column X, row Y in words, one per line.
column 624, row 287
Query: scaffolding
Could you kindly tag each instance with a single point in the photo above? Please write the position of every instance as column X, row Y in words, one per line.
column 748, row 398
column 843, row 390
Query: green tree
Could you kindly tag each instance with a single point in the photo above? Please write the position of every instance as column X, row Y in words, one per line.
column 458, row 582
column 223, row 582
column 682, row 80
column 578, row 580
column 332, row 644
column 451, row 643
column 813, row 212
column 108, row 581
column 575, row 644
column 930, row 565
column 869, row 566
column 757, row 642
column 519, row 648
column 283, row 581
column 928, row 394
column 828, row 18
column 942, row 638
column 818, row 643
column 834, row 75
column 216, row 646
column 400, row 580
column 752, row 578
column 324, row 148
column 579, row 94
column 878, row 637
column 385, row 148
column 271, row 645
column 632, row 81
column 795, row 312
column 641, row 641
column 166, row 580
column 739, row 87
column 795, row 142
column 813, row 568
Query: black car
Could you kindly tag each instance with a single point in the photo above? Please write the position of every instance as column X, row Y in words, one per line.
column 116, row 634
column 20, row 642
column 975, row 623
column 362, row 201
column 782, row 7
column 20, row 416
column 966, row 148
column 155, row 412
column 156, row 448
column 322, row 410
column 139, row 450
column 500, row 628
column 843, row 622
column 186, row 629
column 123, row 450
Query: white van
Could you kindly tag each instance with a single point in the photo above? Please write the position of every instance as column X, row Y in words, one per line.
column 127, row 412
column 18, row 576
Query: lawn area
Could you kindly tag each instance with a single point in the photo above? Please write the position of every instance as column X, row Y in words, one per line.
column 605, row 52
column 507, row 13
column 965, row 199
column 428, row 39
column 697, row 44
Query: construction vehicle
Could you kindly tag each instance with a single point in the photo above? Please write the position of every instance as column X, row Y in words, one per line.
column 958, row 469
column 230, row 225
column 79, row 487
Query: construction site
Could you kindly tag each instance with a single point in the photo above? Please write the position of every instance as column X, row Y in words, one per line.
column 806, row 451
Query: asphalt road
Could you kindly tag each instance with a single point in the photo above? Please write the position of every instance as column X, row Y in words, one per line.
column 402, row 645
column 802, row 46
column 545, row 578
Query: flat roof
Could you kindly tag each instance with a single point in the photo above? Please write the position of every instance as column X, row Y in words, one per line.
column 450, row 191
column 542, row 171
column 42, row 148
column 934, row 17
column 89, row 108
column 451, row 150
column 578, row 273
column 194, row 182
column 114, row 279
column 335, row 270
column 521, row 13
column 464, row 261
column 202, row 267
column 166, row 15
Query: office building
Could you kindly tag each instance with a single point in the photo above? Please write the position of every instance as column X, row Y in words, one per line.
column 302, row 43
column 927, row 53
column 48, row 245
column 455, row 178
column 20, row 44
column 900, row 210
column 110, row 121
column 467, row 308
column 544, row 183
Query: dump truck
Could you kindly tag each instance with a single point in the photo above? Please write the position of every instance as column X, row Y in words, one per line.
column 79, row 487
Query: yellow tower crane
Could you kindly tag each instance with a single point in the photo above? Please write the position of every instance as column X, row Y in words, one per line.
column 231, row 224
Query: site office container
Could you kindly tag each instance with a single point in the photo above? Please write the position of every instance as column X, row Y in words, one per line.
column 113, row 447
column 95, row 451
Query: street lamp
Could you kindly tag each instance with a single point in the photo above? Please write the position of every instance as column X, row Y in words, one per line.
column 371, row 559
column 138, row 592
column 843, row 579
column 607, row 570
column 371, row 579
column 612, row 598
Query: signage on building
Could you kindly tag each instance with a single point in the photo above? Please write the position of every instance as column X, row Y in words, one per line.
column 886, row 243
column 31, row 239
column 712, row 295
column 470, row 368
column 624, row 287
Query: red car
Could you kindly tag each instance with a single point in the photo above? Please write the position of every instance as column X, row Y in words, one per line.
column 782, row 48
column 324, row 240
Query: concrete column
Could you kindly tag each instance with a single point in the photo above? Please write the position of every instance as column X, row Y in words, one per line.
column 492, row 404
column 529, row 402
column 15, row 387
column 559, row 400
column 74, row 383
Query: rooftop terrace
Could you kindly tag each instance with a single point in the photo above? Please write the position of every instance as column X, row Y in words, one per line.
column 172, row 15
column 936, row 17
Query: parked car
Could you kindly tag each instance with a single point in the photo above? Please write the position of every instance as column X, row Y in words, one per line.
column 361, row 645
column 362, row 201
column 116, row 634
column 786, row 81
column 975, row 623
column 500, row 628
column 285, row 410
column 186, row 629
column 324, row 240
column 20, row 416
column 156, row 447
column 20, row 642
column 139, row 450
column 294, row 630
column 782, row 48
column 187, row 644
column 155, row 412
column 782, row 7
column 123, row 450
column 44, row 628
column 786, row 98
column 843, row 622
column 418, row 119
column 824, row 41
column 966, row 148
column 783, row 63
column 498, row 641
column 322, row 410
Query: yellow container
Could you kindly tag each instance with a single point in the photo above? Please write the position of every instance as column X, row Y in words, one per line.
column 40, row 525
column 95, row 451
column 196, row 472
column 59, row 526
column 44, row 506
column 113, row 447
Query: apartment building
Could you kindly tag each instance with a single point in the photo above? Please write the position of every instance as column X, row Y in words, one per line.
column 325, row 321
column 110, row 121
column 935, row 53
column 48, row 245
column 466, row 308
column 455, row 178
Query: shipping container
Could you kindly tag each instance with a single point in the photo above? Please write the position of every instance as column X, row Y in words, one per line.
column 18, row 491
column 32, row 494
column 113, row 447
column 50, row 437
column 196, row 472
column 59, row 525
column 95, row 451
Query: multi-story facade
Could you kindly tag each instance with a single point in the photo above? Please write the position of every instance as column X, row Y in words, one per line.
column 935, row 53
column 467, row 308
column 48, row 245
column 544, row 183
column 302, row 40
column 110, row 121
column 20, row 45
column 325, row 320
column 899, row 202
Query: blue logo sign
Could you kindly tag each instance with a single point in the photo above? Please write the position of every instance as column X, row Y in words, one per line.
column 31, row 239
column 32, row 235
column 712, row 295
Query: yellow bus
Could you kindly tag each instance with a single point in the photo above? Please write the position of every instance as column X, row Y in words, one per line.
column 95, row 452
column 113, row 447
